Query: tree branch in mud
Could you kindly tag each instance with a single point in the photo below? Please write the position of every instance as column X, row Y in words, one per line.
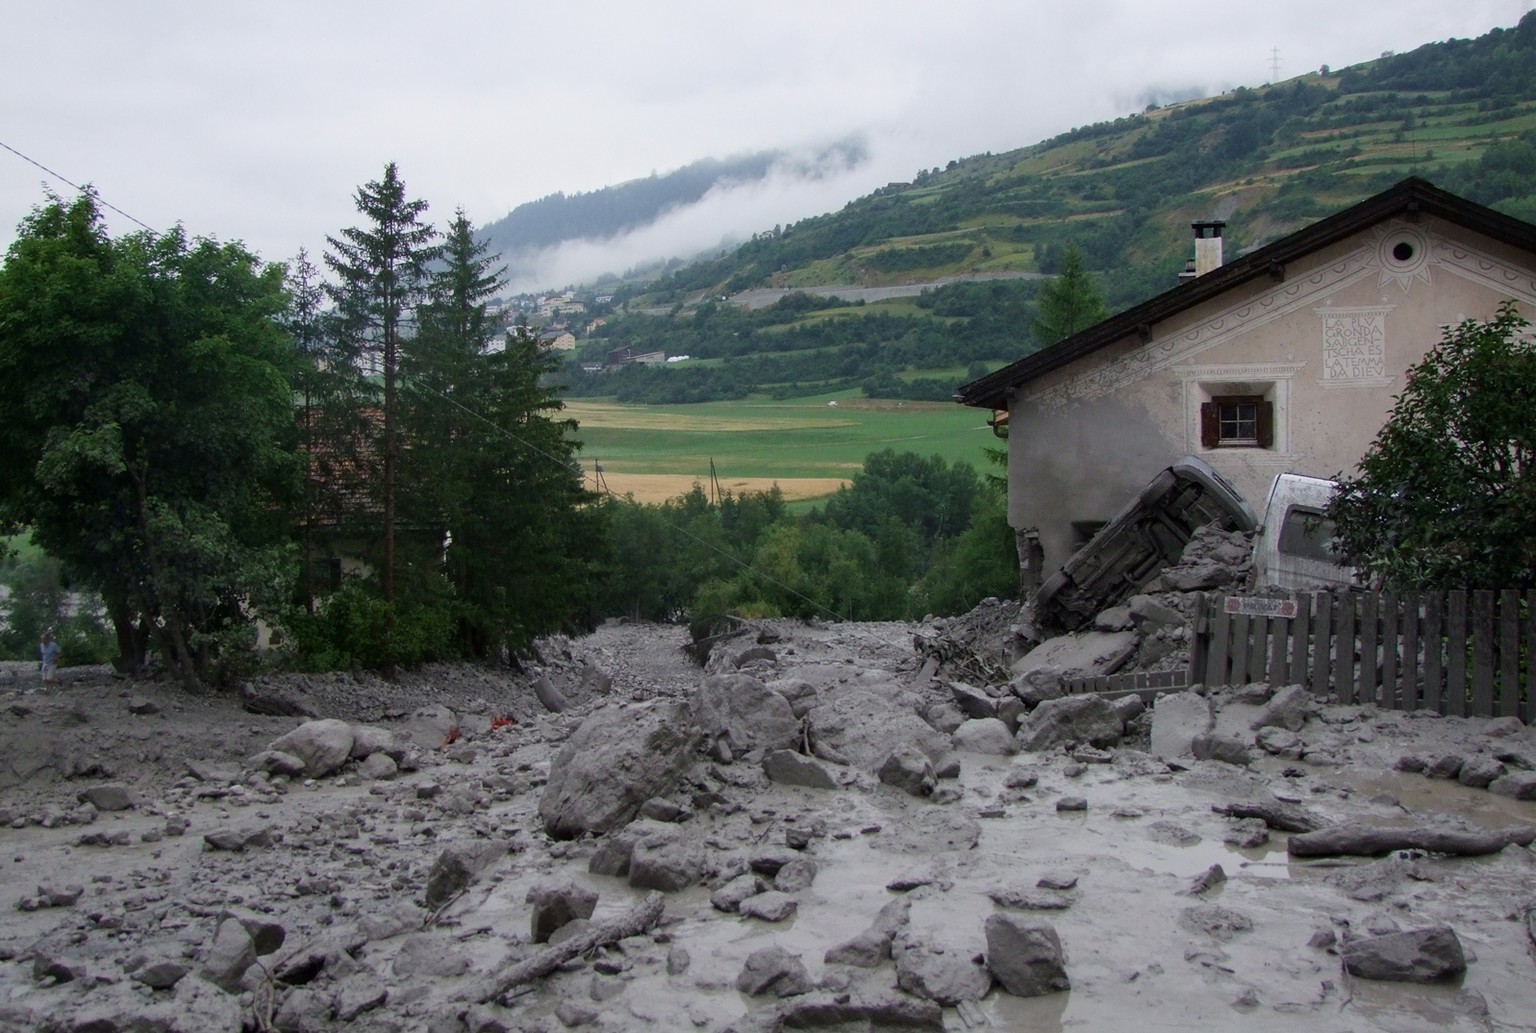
column 639, row 920
column 1369, row 840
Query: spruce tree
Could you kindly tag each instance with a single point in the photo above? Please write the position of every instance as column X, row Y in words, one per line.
column 381, row 271
column 1069, row 303
column 490, row 459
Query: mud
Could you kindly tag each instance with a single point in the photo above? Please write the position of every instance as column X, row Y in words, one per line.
column 349, row 860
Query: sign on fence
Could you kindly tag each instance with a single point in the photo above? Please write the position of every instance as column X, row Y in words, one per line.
column 1256, row 606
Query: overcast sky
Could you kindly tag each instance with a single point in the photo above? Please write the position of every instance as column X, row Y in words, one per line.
column 257, row 121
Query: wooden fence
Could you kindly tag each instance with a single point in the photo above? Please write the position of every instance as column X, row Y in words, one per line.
column 1147, row 683
column 1467, row 654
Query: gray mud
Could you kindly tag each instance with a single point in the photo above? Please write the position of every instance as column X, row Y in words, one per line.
column 348, row 861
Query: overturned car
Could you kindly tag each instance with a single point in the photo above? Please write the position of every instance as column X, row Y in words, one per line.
column 1146, row 535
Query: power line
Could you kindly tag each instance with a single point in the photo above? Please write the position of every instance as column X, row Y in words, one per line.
column 76, row 186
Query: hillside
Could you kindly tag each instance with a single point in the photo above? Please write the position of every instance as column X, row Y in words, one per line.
column 1269, row 160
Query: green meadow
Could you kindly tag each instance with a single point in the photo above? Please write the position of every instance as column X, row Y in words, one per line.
column 806, row 445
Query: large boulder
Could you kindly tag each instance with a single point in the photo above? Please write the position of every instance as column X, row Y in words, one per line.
column 862, row 727
column 773, row 970
column 1025, row 956
column 322, row 745
column 228, row 956
column 1411, row 956
column 1288, row 709
column 1177, row 718
column 745, row 713
column 942, row 973
column 368, row 740
column 557, row 902
column 430, row 727
column 670, row 859
column 787, row 767
column 985, row 735
column 619, row 758
column 909, row 769
column 873, row 945
column 973, row 702
column 1087, row 654
column 1077, row 719
column 457, row 866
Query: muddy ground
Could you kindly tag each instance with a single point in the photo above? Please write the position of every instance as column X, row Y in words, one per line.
column 114, row 919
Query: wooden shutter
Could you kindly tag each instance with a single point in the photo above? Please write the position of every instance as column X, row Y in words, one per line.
column 1210, row 425
column 1266, row 424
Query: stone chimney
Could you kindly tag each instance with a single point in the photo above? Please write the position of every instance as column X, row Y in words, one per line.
column 1207, row 249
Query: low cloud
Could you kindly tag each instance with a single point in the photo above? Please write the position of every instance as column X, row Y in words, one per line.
column 803, row 183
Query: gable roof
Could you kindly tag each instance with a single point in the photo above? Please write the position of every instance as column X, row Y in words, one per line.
column 1411, row 197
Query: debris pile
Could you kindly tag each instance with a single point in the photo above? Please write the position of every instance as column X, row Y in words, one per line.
column 823, row 828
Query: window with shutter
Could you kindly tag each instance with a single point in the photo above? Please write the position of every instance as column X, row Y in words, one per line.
column 1237, row 421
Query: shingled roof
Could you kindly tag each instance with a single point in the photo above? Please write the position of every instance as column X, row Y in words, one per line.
column 1410, row 197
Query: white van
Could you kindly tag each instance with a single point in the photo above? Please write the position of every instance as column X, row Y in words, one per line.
column 1295, row 547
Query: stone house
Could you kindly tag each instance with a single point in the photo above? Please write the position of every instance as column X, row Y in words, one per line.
column 1286, row 359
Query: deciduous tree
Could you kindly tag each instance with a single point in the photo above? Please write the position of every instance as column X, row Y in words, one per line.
column 148, row 439
column 1446, row 495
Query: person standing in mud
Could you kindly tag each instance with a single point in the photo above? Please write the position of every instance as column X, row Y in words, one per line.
column 48, row 653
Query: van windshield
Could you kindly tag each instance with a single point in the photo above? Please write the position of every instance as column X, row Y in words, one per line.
column 1307, row 534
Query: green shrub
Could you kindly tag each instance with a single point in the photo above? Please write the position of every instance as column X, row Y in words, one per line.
column 350, row 629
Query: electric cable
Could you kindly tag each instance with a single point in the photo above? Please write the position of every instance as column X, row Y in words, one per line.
column 104, row 203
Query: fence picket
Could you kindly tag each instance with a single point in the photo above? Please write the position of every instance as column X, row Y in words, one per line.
column 1509, row 653
column 1527, row 703
column 1456, row 656
column 1409, row 676
column 1482, row 651
column 1387, row 697
column 1239, row 647
column 1216, row 670
column 1200, row 648
column 1322, row 645
column 1279, row 628
column 1434, row 656
column 1370, row 605
column 1301, row 635
column 1344, row 654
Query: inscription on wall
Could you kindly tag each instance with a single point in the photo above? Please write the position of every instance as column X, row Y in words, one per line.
column 1354, row 345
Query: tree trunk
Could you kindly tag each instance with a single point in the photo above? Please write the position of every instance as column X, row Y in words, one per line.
column 638, row 920
column 131, row 637
column 169, row 630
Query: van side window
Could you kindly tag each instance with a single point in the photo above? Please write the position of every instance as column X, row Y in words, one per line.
column 1307, row 534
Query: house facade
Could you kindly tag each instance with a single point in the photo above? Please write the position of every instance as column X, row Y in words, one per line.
column 1286, row 359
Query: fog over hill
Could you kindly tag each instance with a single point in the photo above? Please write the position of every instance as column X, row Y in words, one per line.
column 707, row 205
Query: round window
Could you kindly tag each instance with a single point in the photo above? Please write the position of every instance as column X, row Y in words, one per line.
column 1403, row 252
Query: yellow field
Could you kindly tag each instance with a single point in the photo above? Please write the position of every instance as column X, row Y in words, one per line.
column 654, row 488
